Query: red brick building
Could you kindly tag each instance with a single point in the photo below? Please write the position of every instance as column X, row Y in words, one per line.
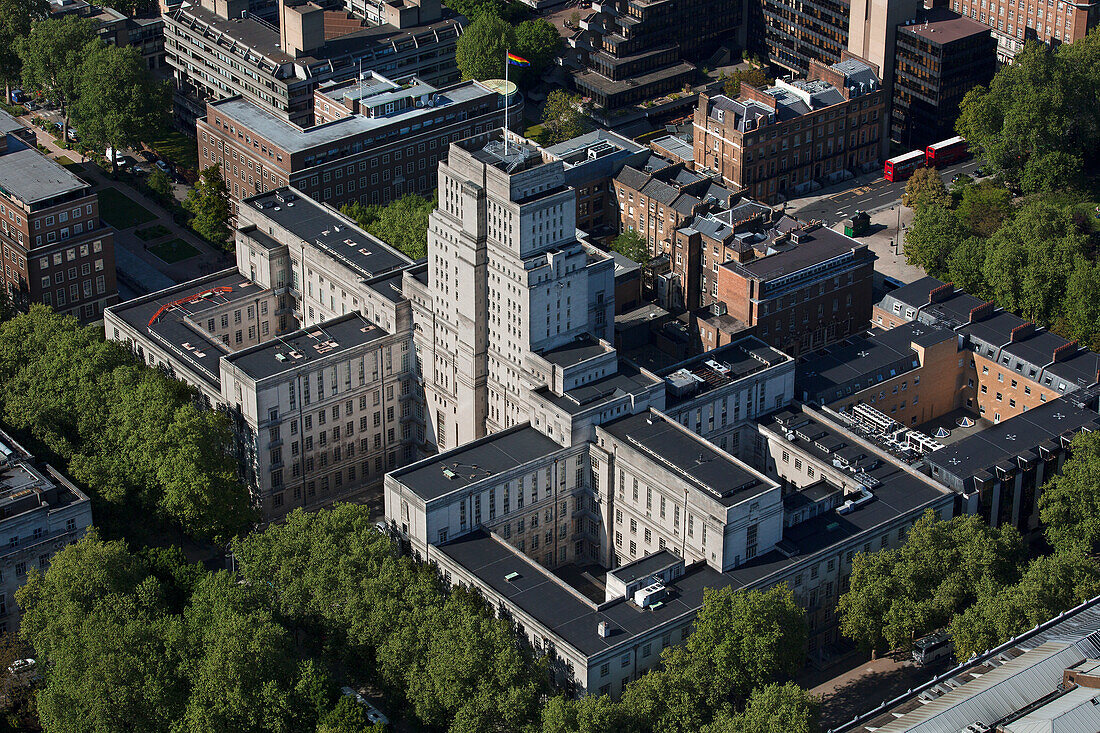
column 813, row 289
column 774, row 143
column 55, row 249
column 378, row 140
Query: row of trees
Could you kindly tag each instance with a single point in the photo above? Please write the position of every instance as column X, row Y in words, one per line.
column 137, row 439
column 106, row 90
column 975, row 580
column 402, row 224
column 144, row 640
column 1036, row 256
column 1038, row 122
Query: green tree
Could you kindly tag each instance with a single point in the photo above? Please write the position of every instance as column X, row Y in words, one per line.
column 159, row 183
column 1038, row 123
column 753, row 77
column 561, row 117
column 984, row 207
column 925, row 188
column 539, row 42
column 347, row 717
column 778, row 708
column 1030, row 259
column 402, row 224
column 482, row 47
column 1050, row 585
column 932, row 237
column 124, row 653
column 52, row 55
column 742, row 640
column 631, row 244
column 118, row 103
column 1082, row 304
column 942, row 568
column 1069, row 503
column 16, row 20
column 965, row 265
column 208, row 203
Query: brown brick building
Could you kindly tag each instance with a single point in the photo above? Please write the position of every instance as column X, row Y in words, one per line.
column 773, row 143
column 655, row 197
column 378, row 139
column 811, row 290
column 55, row 249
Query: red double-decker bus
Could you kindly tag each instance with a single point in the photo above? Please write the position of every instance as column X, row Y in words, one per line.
column 901, row 167
column 946, row 152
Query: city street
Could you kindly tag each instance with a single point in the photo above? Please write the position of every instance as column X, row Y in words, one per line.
column 839, row 202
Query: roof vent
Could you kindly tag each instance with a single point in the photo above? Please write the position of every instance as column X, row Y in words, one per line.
column 449, row 473
column 603, row 629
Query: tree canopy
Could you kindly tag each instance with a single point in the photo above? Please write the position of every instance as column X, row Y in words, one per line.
column 128, row 647
column 208, row 203
column 1069, row 504
column 1038, row 122
column 481, row 49
column 52, row 55
column 16, row 20
column 118, row 103
column 133, row 436
column 942, row 568
column 925, row 188
column 631, row 244
column 561, row 117
column 402, row 224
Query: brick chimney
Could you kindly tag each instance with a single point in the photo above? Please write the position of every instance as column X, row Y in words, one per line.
column 941, row 293
column 1021, row 332
column 977, row 313
column 1064, row 352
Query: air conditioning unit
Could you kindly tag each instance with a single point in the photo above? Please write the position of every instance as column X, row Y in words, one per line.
column 718, row 308
column 647, row 596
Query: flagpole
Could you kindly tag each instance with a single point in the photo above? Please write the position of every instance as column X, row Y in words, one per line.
column 506, row 65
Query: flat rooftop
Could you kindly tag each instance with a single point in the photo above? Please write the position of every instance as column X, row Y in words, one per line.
column 31, row 177
column 174, row 329
column 860, row 361
column 439, row 475
column 817, row 246
column 9, row 124
column 327, row 340
column 942, row 26
column 992, row 335
column 627, row 380
column 564, row 610
column 294, row 139
column 645, row 566
column 1021, row 435
column 328, row 230
column 710, row 470
column 737, row 360
column 575, row 352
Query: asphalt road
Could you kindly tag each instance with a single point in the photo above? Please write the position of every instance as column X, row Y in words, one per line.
column 875, row 196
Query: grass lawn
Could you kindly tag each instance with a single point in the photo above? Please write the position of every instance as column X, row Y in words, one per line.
column 177, row 148
column 174, row 250
column 150, row 233
column 120, row 211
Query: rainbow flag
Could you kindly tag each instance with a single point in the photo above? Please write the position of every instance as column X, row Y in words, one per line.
column 517, row 60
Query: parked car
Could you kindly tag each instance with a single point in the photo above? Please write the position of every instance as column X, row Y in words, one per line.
column 17, row 96
column 116, row 155
column 374, row 715
column 23, row 668
column 138, row 169
column 71, row 134
column 31, row 106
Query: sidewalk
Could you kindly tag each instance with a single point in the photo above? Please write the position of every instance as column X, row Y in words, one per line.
column 206, row 261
